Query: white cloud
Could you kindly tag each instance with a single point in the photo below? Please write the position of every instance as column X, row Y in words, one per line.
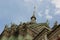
column 33, row 1
column 46, row 11
column 40, row 0
column 47, row 14
column 57, row 3
column 40, row 14
column 28, row 1
column 48, row 17
column 57, row 12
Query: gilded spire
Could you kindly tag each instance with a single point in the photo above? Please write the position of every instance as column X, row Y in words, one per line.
column 33, row 18
column 34, row 9
column 34, row 12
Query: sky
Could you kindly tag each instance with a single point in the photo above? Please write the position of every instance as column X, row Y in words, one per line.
column 16, row 11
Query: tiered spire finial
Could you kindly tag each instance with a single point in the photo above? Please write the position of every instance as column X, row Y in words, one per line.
column 47, row 22
column 56, row 23
column 33, row 18
column 34, row 12
column 6, row 26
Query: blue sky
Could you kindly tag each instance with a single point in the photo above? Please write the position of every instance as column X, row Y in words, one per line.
column 17, row 11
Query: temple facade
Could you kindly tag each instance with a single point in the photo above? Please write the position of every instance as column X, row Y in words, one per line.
column 31, row 31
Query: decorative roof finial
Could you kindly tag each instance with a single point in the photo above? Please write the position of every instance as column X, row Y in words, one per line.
column 6, row 26
column 34, row 12
column 56, row 23
column 34, row 9
column 33, row 18
column 47, row 22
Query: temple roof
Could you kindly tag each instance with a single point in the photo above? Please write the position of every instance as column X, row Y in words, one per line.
column 37, row 27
